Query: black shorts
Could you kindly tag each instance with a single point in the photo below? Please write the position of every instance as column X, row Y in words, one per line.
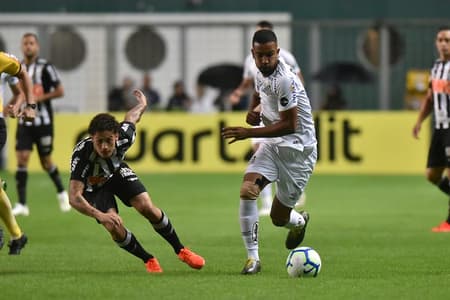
column 42, row 136
column 2, row 133
column 124, row 184
column 439, row 152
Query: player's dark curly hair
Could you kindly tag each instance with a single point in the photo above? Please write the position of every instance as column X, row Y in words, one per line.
column 103, row 122
column 264, row 36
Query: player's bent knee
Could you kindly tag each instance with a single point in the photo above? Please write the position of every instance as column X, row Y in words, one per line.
column 249, row 190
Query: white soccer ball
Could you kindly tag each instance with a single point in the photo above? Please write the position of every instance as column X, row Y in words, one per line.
column 303, row 262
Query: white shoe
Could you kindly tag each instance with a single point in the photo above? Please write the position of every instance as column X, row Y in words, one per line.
column 301, row 201
column 264, row 211
column 20, row 209
column 63, row 199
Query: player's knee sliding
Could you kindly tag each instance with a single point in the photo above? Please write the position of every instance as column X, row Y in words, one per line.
column 249, row 190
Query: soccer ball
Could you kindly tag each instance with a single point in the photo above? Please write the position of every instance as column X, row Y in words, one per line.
column 303, row 262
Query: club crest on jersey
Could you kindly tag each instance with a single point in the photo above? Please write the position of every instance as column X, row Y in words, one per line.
column 284, row 101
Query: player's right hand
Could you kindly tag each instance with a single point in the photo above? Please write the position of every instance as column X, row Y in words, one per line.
column 28, row 114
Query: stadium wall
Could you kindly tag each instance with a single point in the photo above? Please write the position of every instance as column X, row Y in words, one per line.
column 349, row 143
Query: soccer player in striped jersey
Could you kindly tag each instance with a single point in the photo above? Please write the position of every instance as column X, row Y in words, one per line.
column 46, row 86
column 98, row 174
column 438, row 101
column 9, row 67
column 287, row 157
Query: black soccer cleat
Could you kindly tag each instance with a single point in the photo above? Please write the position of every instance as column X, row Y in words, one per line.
column 296, row 235
column 16, row 245
column 251, row 267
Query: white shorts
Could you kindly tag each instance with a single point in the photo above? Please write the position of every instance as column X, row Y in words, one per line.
column 258, row 140
column 288, row 167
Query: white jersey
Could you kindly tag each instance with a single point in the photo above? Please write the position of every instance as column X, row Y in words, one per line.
column 250, row 68
column 280, row 91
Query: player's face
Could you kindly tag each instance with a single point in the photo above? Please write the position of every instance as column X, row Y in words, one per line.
column 105, row 143
column 266, row 57
column 30, row 46
column 443, row 44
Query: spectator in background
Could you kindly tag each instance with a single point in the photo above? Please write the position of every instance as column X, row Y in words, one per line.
column 152, row 95
column 179, row 101
column 334, row 99
column 120, row 98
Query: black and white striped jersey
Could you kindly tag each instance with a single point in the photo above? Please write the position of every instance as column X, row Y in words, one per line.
column 94, row 171
column 45, row 78
column 440, row 86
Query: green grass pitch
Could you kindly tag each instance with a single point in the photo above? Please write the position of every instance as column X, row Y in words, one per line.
column 372, row 232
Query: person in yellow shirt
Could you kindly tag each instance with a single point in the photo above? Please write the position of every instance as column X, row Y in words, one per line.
column 11, row 66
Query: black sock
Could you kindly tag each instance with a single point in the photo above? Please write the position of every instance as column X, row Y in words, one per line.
column 444, row 185
column 54, row 175
column 21, row 184
column 131, row 245
column 166, row 230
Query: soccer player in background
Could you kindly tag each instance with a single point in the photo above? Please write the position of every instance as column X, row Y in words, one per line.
column 46, row 86
column 248, row 77
column 98, row 173
column 288, row 157
column 10, row 66
column 437, row 101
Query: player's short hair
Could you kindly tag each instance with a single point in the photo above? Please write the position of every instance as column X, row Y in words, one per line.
column 265, row 24
column 30, row 34
column 264, row 36
column 103, row 122
column 443, row 28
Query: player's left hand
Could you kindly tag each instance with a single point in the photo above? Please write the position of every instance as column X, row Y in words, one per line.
column 235, row 133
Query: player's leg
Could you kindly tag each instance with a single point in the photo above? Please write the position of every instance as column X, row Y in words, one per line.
column 44, row 143
column 18, row 238
column 249, row 219
column 24, row 145
column 439, row 159
column 104, row 201
column 53, row 172
column 127, row 186
column 295, row 169
column 163, row 226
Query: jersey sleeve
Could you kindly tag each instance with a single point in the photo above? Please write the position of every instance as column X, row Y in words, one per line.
column 52, row 75
column 79, row 162
column 286, row 96
column 9, row 64
column 127, row 136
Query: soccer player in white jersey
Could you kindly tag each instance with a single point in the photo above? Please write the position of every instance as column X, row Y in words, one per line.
column 248, row 77
column 287, row 158
column 437, row 101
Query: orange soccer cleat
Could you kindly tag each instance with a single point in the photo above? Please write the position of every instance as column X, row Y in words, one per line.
column 192, row 259
column 152, row 266
column 443, row 227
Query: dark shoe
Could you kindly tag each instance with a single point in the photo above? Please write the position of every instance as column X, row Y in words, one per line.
column 251, row 267
column 297, row 234
column 16, row 245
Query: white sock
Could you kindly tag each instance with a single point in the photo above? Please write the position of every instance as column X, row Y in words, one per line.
column 295, row 220
column 248, row 217
column 266, row 196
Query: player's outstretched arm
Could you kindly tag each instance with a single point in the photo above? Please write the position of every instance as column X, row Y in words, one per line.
column 135, row 113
